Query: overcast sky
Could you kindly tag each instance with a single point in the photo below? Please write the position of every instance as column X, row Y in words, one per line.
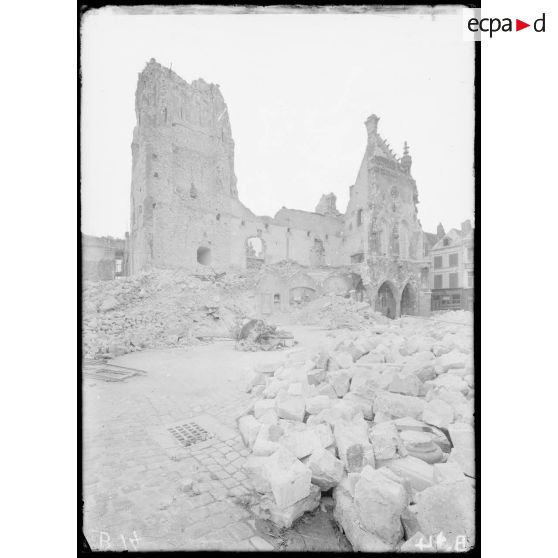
column 298, row 89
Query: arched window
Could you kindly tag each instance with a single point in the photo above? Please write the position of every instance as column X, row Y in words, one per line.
column 204, row 255
column 255, row 252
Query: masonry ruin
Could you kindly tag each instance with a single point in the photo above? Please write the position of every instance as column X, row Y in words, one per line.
column 358, row 429
column 186, row 212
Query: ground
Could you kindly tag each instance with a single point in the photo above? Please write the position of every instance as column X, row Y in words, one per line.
column 134, row 472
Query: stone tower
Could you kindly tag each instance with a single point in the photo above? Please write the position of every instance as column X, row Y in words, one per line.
column 183, row 180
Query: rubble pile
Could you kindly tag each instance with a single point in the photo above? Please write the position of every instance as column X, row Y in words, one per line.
column 257, row 335
column 162, row 309
column 382, row 418
column 336, row 312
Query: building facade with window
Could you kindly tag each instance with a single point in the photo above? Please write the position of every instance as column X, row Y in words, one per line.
column 104, row 258
column 452, row 273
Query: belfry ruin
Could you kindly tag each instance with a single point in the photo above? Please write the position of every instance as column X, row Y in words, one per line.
column 185, row 209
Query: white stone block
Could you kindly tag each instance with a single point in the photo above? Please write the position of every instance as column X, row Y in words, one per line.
column 351, row 438
column 438, row 413
column 398, row 405
column 301, row 443
column 290, row 407
column 340, row 380
column 327, row 471
column 249, row 428
column 447, row 472
column 385, row 440
column 379, row 502
column 263, row 406
column 418, row 473
column 448, row 509
column 318, row 403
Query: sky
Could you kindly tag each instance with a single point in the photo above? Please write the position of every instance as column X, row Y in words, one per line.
column 298, row 89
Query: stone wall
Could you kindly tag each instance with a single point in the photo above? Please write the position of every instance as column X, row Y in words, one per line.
column 184, row 198
column 184, row 193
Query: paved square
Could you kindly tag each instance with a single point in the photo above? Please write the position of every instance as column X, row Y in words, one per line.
column 142, row 489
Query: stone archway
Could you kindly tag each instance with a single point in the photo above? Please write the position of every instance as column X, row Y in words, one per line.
column 386, row 300
column 302, row 289
column 337, row 284
column 409, row 301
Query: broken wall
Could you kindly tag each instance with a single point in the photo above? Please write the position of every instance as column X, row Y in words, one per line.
column 184, row 197
column 184, row 193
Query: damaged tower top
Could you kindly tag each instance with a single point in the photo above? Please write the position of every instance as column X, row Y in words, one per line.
column 328, row 205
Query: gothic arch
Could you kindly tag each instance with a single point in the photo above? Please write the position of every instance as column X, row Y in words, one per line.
column 302, row 288
column 337, row 283
column 409, row 300
column 387, row 299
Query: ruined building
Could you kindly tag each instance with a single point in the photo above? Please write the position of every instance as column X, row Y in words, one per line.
column 185, row 209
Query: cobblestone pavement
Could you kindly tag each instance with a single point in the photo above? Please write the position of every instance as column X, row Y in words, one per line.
column 135, row 490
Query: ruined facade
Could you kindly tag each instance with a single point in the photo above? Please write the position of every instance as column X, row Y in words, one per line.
column 381, row 229
column 185, row 209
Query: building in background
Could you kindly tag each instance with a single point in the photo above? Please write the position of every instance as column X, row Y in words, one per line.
column 452, row 273
column 104, row 258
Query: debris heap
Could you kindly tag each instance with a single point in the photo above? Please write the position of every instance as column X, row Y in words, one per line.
column 336, row 312
column 383, row 419
column 162, row 308
column 257, row 335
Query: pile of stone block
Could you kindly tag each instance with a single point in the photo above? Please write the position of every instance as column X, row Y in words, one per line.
column 337, row 311
column 383, row 420
column 161, row 309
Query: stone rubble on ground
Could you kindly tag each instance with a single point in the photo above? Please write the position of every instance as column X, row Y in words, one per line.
column 172, row 308
column 383, row 419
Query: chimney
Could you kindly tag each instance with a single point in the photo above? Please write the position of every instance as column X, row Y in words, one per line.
column 440, row 232
column 466, row 227
column 372, row 126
